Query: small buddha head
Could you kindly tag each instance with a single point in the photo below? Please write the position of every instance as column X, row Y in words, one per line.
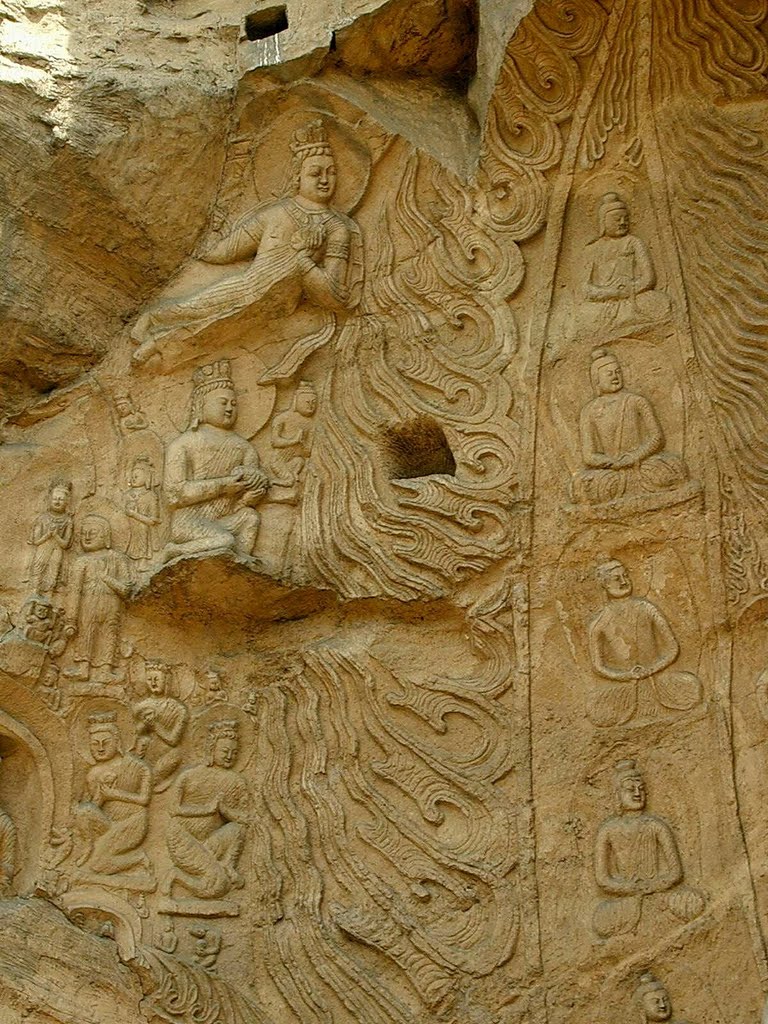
column 305, row 399
column 156, row 677
column 223, row 744
column 313, row 168
column 95, row 533
column 653, row 998
column 614, row 577
column 124, row 404
column 613, row 214
column 142, row 472
column 605, row 372
column 213, row 396
column 103, row 736
column 629, row 785
column 59, row 495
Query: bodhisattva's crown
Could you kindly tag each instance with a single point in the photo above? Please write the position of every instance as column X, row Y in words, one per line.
column 310, row 139
column 223, row 728
column 101, row 718
column 219, row 372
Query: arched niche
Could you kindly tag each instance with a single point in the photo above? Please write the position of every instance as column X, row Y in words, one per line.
column 27, row 795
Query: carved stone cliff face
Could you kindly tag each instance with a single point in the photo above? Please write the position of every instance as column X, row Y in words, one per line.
column 384, row 481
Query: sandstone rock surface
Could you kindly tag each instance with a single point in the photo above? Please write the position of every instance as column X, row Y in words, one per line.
column 384, row 475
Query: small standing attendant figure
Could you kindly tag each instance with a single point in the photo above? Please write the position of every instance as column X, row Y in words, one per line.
column 142, row 507
column 51, row 536
column 101, row 582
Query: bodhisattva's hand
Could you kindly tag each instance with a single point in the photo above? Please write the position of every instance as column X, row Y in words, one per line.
column 234, row 484
column 308, row 238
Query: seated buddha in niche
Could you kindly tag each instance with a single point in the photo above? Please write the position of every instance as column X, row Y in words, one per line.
column 622, row 443
column 620, row 293
column 632, row 646
column 295, row 248
column 636, row 860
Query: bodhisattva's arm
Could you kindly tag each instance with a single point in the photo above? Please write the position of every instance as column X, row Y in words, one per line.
column 182, row 492
column 610, row 883
column 666, row 642
column 240, row 243
column 645, row 274
column 172, row 732
column 671, row 871
column 325, row 284
column 139, row 795
column 42, row 530
column 591, row 456
column 648, row 428
column 281, row 437
column 596, row 644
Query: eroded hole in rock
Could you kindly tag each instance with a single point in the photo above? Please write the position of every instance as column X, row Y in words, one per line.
column 418, row 447
column 266, row 23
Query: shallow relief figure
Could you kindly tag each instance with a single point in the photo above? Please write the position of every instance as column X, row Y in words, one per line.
column 40, row 633
column 622, row 442
column 161, row 722
column 100, row 583
column 141, row 505
column 286, row 251
column 213, row 477
column 654, row 1000
column 8, row 851
column 112, row 819
column 632, row 647
column 637, row 862
column 291, row 438
column 619, row 292
column 51, row 538
column 207, row 829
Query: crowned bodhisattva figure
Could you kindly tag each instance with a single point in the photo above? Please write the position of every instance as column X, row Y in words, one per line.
column 208, row 824
column 213, row 477
column 283, row 252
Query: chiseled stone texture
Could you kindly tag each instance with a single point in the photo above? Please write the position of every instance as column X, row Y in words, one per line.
column 382, row 630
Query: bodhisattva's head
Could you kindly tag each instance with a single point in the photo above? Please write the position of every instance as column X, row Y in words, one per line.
column 654, row 999
column 213, row 396
column 317, row 179
column 305, row 400
column 219, row 408
column 103, row 739
column 58, row 497
column 629, row 785
column 605, row 373
column 141, row 472
column 156, row 677
column 95, row 534
column 615, row 579
column 124, row 405
column 614, row 216
column 223, row 744
column 313, row 166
